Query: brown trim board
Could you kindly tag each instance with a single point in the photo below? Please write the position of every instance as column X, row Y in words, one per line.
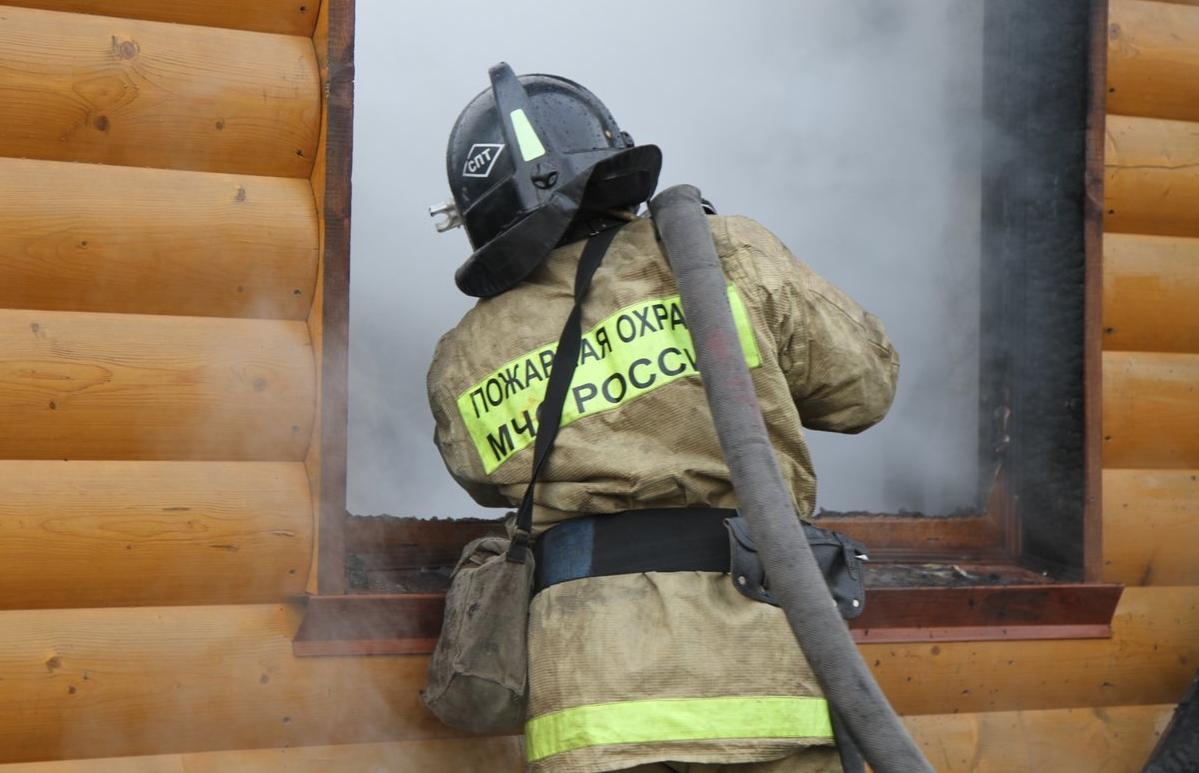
column 339, row 96
column 1093, row 296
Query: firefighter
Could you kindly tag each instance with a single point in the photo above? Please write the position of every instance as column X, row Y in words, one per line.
column 643, row 653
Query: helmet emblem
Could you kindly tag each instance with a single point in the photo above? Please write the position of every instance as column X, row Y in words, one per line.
column 480, row 160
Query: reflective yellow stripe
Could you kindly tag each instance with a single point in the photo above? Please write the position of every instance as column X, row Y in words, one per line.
column 526, row 136
column 634, row 351
column 682, row 719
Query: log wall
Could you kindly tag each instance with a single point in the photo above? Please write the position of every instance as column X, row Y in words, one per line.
column 1151, row 295
column 146, row 567
column 160, row 247
column 159, row 255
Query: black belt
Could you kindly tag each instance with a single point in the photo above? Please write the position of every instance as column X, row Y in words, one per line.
column 657, row 540
column 689, row 539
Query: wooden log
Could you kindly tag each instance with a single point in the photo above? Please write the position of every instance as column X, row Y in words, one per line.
column 1151, row 658
column 287, row 17
column 142, row 93
column 95, row 534
column 123, row 386
column 88, row 237
column 1150, row 410
column 1151, row 178
column 162, row 680
column 1151, row 527
column 504, row 754
column 1153, row 60
column 1111, row 740
column 1150, row 287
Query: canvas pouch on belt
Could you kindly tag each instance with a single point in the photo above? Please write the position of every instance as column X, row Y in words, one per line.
column 479, row 671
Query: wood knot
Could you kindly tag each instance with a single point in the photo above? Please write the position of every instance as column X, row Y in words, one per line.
column 259, row 384
column 101, row 123
column 220, row 124
column 124, row 49
column 241, row 194
column 53, row 663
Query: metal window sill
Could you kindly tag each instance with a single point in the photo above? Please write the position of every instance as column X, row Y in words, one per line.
column 409, row 623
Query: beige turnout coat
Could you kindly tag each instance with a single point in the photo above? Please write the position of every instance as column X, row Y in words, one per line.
column 639, row 668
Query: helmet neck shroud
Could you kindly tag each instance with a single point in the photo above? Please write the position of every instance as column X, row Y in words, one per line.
column 524, row 159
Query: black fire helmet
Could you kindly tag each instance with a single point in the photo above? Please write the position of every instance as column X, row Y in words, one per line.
column 524, row 158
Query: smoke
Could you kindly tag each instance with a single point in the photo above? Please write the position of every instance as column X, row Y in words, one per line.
column 853, row 131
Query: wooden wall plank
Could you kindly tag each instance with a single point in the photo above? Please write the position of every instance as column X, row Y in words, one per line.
column 1110, row 740
column 1151, row 180
column 1150, row 285
column 76, row 385
column 1151, row 658
column 1151, row 523
column 90, row 237
column 95, row 534
column 161, row 680
column 1150, row 410
column 288, row 17
column 142, row 93
column 1153, row 59
column 469, row 755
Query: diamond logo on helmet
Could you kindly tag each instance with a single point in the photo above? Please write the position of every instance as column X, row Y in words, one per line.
column 480, row 160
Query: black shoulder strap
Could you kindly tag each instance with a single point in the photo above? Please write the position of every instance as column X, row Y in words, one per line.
column 549, row 413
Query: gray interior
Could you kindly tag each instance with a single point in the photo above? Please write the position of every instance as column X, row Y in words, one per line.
column 853, row 131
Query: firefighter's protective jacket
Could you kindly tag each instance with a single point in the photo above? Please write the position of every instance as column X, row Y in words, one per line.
column 639, row 668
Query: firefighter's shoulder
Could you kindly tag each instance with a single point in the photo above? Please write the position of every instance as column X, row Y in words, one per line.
column 744, row 232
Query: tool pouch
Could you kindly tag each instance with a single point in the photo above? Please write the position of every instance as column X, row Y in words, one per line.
column 479, row 670
column 839, row 557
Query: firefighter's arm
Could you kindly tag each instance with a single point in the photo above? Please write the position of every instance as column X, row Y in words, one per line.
column 450, row 436
column 840, row 365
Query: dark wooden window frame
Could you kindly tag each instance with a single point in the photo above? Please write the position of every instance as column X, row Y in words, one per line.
column 1018, row 569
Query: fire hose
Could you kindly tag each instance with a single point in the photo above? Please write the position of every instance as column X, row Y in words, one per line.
column 762, row 496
